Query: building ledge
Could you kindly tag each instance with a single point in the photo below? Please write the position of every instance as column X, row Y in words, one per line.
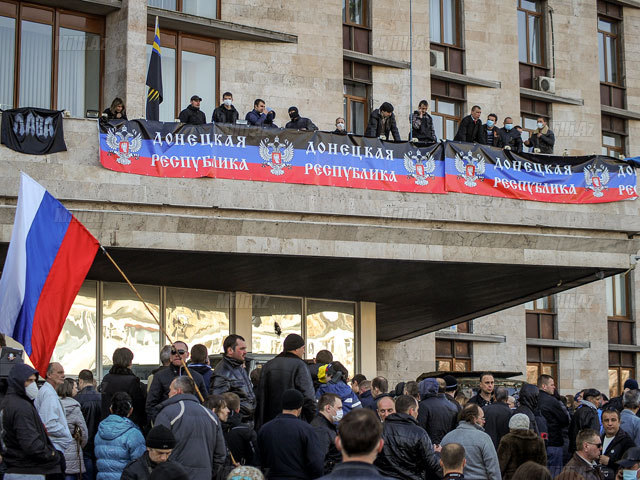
column 211, row 27
column 627, row 3
column 549, row 97
column 464, row 79
column 471, row 337
column 545, row 342
column 98, row 7
column 613, row 347
column 373, row 60
column 620, row 112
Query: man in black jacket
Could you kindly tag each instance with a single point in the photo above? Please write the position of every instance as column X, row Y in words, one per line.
column 557, row 420
column 382, row 123
column 542, row 137
column 161, row 384
column 470, row 129
column 422, row 124
column 299, row 123
column 586, row 416
column 230, row 375
column 490, row 131
column 160, row 443
column 509, row 137
column 615, row 442
column 407, row 451
column 325, row 424
column 437, row 415
column 241, row 438
column 288, row 447
column 27, row 448
column 90, row 401
column 225, row 113
column 286, row 371
column 484, row 396
column 497, row 416
column 192, row 115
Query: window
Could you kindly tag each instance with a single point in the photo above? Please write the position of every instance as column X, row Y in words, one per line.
column 453, row 356
column 50, row 59
column 620, row 323
column 356, row 107
column 274, row 318
column 355, row 12
column 622, row 366
column 608, row 50
column 610, row 54
column 541, row 323
column 541, row 361
column 530, row 32
column 612, row 145
column 614, row 135
column 189, row 67
column 530, row 111
column 446, row 33
column 331, row 326
column 446, row 116
column 201, row 8
column 356, row 32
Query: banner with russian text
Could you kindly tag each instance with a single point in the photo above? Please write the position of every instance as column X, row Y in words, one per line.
column 318, row 158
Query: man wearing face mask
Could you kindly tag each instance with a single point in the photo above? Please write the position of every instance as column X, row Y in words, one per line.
column 341, row 127
column 28, row 451
column 542, row 137
column 509, row 137
column 225, row 113
column 490, row 133
column 299, row 123
column 326, row 425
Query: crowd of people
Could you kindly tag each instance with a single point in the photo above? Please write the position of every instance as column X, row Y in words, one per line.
column 305, row 419
column 382, row 124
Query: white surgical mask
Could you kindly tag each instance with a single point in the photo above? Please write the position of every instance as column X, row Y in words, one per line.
column 338, row 416
column 227, row 102
column 32, row 390
column 629, row 474
column 340, row 126
column 540, row 125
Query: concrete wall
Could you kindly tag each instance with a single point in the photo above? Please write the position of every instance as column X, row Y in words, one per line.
column 405, row 361
column 631, row 52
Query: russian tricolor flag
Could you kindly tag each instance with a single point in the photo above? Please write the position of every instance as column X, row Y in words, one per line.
column 48, row 259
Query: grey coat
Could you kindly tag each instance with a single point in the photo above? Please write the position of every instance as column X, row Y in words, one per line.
column 73, row 454
column 482, row 459
column 200, row 449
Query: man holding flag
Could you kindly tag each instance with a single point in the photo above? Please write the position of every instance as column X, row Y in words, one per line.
column 154, row 79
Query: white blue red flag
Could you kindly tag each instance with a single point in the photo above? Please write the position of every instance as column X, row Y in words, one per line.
column 48, row 259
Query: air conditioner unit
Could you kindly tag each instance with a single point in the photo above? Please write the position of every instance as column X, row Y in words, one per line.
column 545, row 84
column 437, row 59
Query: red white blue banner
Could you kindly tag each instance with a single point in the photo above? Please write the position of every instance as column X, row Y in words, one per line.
column 317, row 158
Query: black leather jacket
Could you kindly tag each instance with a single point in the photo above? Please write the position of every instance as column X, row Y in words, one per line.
column 231, row 376
column 407, row 451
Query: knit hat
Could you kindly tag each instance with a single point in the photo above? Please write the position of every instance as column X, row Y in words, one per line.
column 519, row 422
column 451, row 382
column 169, row 471
column 292, row 399
column 293, row 342
column 245, row 473
column 160, row 437
column 631, row 384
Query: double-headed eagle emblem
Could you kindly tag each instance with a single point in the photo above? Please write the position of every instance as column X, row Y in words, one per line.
column 124, row 144
column 276, row 155
column 596, row 179
column 470, row 168
column 420, row 167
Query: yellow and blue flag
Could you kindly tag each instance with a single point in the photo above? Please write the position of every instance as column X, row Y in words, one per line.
column 154, row 79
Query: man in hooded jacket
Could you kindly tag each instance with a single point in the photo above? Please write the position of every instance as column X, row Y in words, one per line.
column 436, row 414
column 27, row 449
column 528, row 400
column 299, row 123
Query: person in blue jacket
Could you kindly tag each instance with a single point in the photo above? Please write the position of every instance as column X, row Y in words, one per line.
column 118, row 441
column 258, row 118
column 337, row 375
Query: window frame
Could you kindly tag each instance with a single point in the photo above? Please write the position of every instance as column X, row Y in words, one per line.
column 613, row 151
column 58, row 18
column 347, row 99
column 467, row 361
column 458, row 20
column 618, row 367
column 179, row 6
column 541, row 16
column 627, row 287
column 445, row 116
column 616, row 24
column 365, row 13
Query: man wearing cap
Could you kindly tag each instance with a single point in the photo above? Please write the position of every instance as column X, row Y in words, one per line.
column 520, row 445
column 630, row 461
column 451, row 389
column 289, row 448
column 586, row 416
column 192, row 115
column 582, row 465
column 629, row 422
column 616, row 402
column 160, row 443
column 299, row 123
column 285, row 371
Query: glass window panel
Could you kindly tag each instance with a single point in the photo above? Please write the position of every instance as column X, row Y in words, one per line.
column 201, row 8
column 330, row 326
column 522, row 37
column 532, row 328
column 448, row 108
column 601, row 58
column 355, row 12
column 461, row 366
column 79, row 333
column 449, row 20
column 167, row 107
column 612, row 60
column 7, row 61
column 605, row 26
column 543, row 303
column 528, row 306
column 355, row 90
column 78, row 71
column 605, row 151
column 444, row 348
column 344, row 11
column 621, row 295
column 434, row 21
column 608, row 282
column 610, row 140
column 530, row 123
column 463, row 350
column 533, row 354
column 627, row 359
column 547, row 326
column 626, row 333
column 127, row 323
column 532, row 373
column 451, row 127
column 548, row 354
column 530, row 5
column 612, row 328
column 199, row 78
column 444, row 365
column 166, row 4
column 35, row 65
column 614, row 359
column 357, row 118
column 438, row 125
column 534, row 39
column 274, row 318
column 549, row 370
column 198, row 316
column 614, row 384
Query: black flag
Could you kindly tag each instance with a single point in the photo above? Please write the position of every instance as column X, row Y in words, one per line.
column 154, row 79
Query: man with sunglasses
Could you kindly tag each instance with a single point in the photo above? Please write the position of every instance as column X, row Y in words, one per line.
column 583, row 464
column 159, row 390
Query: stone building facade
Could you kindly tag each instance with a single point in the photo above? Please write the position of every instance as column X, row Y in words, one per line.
column 335, row 59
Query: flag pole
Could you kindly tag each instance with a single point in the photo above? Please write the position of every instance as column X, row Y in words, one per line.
column 153, row 315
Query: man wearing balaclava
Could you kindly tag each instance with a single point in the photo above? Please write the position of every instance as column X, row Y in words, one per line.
column 299, row 123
